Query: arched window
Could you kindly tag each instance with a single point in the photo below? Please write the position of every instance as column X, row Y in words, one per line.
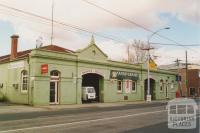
column 55, row 75
column 24, row 81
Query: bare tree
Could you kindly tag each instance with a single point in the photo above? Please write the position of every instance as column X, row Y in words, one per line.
column 135, row 52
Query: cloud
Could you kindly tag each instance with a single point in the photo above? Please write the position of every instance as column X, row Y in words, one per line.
column 115, row 51
column 77, row 12
column 184, row 10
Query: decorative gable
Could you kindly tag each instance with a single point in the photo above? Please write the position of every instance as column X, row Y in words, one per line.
column 92, row 52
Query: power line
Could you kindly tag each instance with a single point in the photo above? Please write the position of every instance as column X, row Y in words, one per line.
column 132, row 22
column 52, row 17
column 64, row 24
column 68, row 25
column 173, row 44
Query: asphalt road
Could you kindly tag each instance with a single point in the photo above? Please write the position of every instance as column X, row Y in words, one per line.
column 136, row 118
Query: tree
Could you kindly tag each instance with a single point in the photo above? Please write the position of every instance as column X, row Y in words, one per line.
column 135, row 52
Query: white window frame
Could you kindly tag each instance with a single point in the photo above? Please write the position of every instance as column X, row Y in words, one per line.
column 22, row 81
column 134, row 91
column 119, row 91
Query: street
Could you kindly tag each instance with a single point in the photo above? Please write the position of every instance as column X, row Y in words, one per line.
column 132, row 118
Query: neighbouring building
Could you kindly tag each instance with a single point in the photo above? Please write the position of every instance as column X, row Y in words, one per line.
column 193, row 79
column 191, row 86
column 55, row 75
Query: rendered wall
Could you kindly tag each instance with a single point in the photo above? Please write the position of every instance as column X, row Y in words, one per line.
column 10, row 76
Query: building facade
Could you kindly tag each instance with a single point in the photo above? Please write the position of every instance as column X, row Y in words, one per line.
column 192, row 88
column 55, row 75
column 188, row 84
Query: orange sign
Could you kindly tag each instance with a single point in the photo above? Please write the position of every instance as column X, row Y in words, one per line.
column 44, row 68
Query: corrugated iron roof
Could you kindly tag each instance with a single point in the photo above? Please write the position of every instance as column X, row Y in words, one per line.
column 25, row 53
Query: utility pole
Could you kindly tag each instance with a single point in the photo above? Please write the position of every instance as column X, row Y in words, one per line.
column 148, row 96
column 52, row 20
column 128, row 53
column 186, row 73
column 179, row 79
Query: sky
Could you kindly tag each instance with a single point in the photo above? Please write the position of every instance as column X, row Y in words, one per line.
column 182, row 16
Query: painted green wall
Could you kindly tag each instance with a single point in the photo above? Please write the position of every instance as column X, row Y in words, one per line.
column 12, row 76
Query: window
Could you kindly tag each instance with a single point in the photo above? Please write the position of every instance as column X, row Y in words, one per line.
column 172, row 84
column 24, row 81
column 161, row 85
column 119, row 86
column 192, row 91
column 55, row 75
column 134, row 86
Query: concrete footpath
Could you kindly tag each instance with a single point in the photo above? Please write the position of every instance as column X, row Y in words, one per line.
column 15, row 108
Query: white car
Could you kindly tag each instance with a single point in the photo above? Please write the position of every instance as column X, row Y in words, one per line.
column 88, row 93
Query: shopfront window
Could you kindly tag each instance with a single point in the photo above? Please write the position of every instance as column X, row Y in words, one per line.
column 24, row 81
column 134, row 86
column 119, row 85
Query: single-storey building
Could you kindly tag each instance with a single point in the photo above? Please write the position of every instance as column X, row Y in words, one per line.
column 55, row 75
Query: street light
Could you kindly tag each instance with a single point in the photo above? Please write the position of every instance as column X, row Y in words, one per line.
column 148, row 58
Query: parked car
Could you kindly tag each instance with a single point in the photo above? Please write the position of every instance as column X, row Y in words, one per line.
column 88, row 93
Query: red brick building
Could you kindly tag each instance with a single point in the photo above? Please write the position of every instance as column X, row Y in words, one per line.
column 193, row 82
column 193, row 75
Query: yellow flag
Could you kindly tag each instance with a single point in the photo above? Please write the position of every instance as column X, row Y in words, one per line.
column 152, row 65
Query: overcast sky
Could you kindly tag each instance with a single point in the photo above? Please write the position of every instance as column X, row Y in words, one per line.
column 182, row 16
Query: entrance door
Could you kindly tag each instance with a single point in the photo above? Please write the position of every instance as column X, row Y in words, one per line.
column 152, row 89
column 53, row 92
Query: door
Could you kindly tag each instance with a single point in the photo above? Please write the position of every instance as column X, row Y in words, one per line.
column 53, row 92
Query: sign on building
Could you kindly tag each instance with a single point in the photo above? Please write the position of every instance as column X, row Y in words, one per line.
column 15, row 65
column 152, row 65
column 120, row 75
column 44, row 68
column 128, row 86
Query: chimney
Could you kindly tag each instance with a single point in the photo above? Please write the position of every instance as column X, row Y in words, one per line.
column 14, row 43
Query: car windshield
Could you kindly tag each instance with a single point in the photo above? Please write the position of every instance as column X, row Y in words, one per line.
column 91, row 90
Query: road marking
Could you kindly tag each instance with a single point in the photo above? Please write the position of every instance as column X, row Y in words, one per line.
column 81, row 122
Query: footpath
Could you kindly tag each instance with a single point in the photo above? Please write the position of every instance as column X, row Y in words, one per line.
column 16, row 108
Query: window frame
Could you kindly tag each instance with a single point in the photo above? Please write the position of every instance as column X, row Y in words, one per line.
column 134, row 86
column 24, row 77
column 162, row 85
column 119, row 91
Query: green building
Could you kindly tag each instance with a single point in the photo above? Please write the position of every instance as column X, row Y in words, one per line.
column 55, row 75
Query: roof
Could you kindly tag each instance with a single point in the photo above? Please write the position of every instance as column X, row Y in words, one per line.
column 25, row 53
column 92, row 43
